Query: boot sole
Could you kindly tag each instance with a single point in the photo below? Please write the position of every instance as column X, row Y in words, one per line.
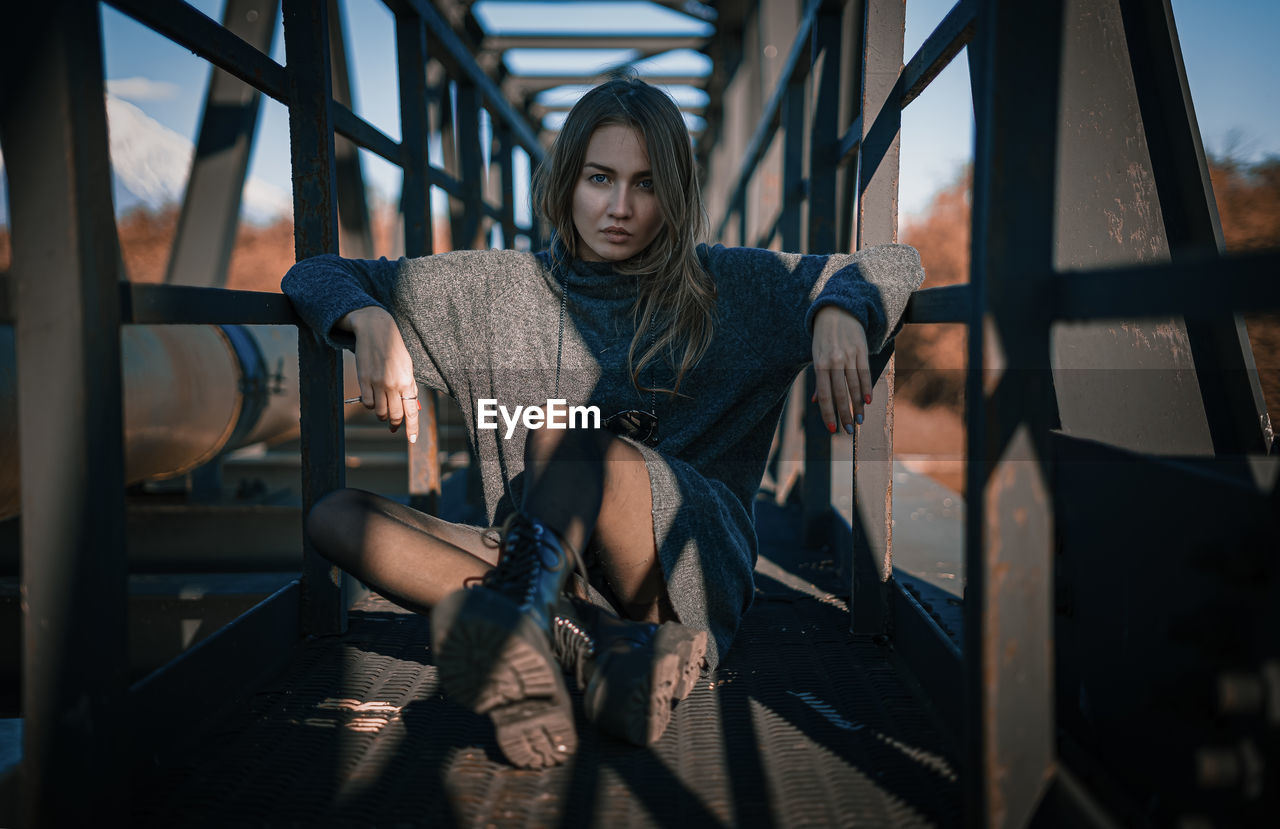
column 691, row 647
column 535, row 733
column 496, row 660
column 631, row 694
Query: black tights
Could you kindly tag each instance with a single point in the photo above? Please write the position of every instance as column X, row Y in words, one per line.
column 589, row 486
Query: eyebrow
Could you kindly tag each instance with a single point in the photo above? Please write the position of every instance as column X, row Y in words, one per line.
column 602, row 168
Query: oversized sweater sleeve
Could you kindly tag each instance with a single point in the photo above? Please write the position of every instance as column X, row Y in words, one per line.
column 325, row 288
column 781, row 292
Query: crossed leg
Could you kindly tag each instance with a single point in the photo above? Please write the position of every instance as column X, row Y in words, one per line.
column 566, row 469
column 589, row 486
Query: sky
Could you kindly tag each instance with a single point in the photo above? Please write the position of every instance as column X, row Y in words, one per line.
column 1228, row 47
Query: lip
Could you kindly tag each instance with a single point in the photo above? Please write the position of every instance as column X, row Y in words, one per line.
column 616, row 233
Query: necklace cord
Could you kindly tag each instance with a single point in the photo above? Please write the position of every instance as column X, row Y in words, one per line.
column 564, row 293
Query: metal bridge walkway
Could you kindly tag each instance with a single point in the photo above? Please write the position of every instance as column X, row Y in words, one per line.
column 802, row 724
column 1120, row 660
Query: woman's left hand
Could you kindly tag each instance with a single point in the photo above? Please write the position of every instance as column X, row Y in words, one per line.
column 840, row 362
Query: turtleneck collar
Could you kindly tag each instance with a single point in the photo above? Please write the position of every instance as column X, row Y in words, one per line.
column 588, row 279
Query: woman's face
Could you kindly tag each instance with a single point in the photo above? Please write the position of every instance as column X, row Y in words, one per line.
column 615, row 207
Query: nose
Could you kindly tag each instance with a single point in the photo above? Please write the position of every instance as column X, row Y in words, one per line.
column 620, row 203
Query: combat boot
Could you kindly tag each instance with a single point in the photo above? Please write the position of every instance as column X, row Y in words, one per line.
column 491, row 644
column 630, row 673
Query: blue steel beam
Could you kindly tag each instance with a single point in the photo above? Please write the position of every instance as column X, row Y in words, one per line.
column 788, row 460
column 1241, row 283
column 939, row 48
column 880, row 116
column 1009, row 740
column 189, row 27
column 142, row 304
column 53, row 128
column 460, row 60
column 315, row 221
column 821, row 234
column 1225, row 369
column 505, row 159
column 1114, row 382
column 415, row 204
column 949, row 303
column 468, row 221
column 796, row 67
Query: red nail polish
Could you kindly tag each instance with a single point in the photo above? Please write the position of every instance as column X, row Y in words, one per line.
column 866, row 398
column 420, row 405
column 831, row 427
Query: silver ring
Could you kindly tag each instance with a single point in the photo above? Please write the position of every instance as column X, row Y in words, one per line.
column 402, row 397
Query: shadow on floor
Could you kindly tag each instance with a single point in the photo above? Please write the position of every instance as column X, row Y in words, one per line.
column 802, row 723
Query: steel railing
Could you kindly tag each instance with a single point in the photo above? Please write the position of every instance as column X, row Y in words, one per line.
column 1019, row 288
column 73, row 543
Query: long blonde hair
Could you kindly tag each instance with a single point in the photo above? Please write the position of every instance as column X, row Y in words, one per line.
column 675, row 293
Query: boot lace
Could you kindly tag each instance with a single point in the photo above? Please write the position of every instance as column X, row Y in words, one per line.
column 516, row 573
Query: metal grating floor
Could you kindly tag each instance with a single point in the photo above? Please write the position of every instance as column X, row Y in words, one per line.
column 802, row 725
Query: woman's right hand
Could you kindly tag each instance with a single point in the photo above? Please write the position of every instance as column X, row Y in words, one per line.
column 384, row 368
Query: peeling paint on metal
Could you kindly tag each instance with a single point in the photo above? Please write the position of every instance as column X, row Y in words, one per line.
column 1175, row 338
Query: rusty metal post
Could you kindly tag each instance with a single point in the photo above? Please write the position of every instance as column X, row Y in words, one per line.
column 789, row 461
column 315, row 217
column 411, row 59
column 506, row 169
column 792, row 124
column 877, row 224
column 415, row 197
column 1009, row 723
column 470, row 166
column 445, row 109
column 821, row 235
column 70, row 417
column 852, row 59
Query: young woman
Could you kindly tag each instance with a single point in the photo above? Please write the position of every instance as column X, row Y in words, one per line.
column 686, row 350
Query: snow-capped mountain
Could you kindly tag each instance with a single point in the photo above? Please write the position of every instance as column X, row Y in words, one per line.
column 150, row 164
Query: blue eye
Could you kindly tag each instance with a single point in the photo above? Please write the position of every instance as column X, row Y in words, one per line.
column 647, row 184
column 598, row 178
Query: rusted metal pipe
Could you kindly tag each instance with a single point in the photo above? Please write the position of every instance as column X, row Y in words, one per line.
column 191, row 392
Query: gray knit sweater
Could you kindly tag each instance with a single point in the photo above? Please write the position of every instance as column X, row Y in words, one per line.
column 485, row 324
